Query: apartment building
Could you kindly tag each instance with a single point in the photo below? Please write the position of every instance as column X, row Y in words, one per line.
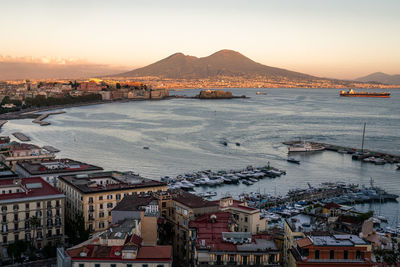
column 94, row 195
column 50, row 170
column 214, row 243
column 331, row 250
column 31, row 210
column 184, row 208
column 120, row 246
column 22, row 151
column 247, row 219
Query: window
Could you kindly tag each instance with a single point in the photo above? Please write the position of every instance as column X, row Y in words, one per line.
column 57, row 203
column 58, row 232
column 27, row 215
column 4, row 239
column 246, row 219
column 129, row 265
column 109, row 196
column 100, row 197
column 38, row 204
column 160, row 265
column 48, row 204
column 4, row 208
column 81, row 265
column 316, row 256
column 15, row 207
column 332, row 254
column 244, row 260
column 184, row 222
column 90, row 200
column 27, row 206
column 164, row 204
column 145, row 265
column 101, row 206
column 346, row 254
column 118, row 196
column 97, row 265
column 358, row 255
column 91, row 209
column 113, row 265
column 16, row 226
column 101, row 214
column 4, row 218
column 109, row 205
column 16, row 237
column 16, row 217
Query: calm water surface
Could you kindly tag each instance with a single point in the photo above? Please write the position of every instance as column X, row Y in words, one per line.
column 185, row 135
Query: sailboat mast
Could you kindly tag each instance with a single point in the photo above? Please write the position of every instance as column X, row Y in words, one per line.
column 362, row 143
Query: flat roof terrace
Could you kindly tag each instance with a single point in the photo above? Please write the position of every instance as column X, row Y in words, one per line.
column 108, row 181
column 57, row 166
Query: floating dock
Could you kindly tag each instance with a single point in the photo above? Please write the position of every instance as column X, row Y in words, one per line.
column 22, row 137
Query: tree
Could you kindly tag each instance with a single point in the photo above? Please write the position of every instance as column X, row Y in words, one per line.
column 34, row 222
column 118, row 85
column 16, row 249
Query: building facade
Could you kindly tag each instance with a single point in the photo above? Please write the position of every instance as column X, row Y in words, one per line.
column 94, row 195
column 31, row 210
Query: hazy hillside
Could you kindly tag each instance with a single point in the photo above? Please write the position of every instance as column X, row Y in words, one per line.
column 221, row 63
column 23, row 70
column 381, row 78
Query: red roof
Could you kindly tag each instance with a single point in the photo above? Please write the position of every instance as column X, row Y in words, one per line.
column 155, row 252
column 29, row 190
column 211, row 232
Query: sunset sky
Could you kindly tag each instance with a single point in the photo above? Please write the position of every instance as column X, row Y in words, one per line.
column 341, row 39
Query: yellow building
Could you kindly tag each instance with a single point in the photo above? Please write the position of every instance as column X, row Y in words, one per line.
column 247, row 218
column 94, row 195
column 31, row 210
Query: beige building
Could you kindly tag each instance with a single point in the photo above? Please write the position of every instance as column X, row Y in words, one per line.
column 94, row 195
column 247, row 219
column 18, row 151
column 31, row 210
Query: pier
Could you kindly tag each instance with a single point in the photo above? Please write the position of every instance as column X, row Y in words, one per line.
column 2, row 122
column 40, row 120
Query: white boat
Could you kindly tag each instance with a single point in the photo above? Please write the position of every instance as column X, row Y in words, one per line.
column 305, row 147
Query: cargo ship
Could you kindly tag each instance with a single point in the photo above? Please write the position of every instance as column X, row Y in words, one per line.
column 352, row 93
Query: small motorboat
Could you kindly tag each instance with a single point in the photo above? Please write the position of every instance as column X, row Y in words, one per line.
column 237, row 144
column 246, row 182
column 292, row 160
column 146, row 147
column 398, row 166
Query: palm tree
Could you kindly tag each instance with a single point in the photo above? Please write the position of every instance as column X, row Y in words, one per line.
column 34, row 222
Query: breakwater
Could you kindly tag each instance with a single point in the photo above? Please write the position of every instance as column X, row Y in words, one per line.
column 40, row 120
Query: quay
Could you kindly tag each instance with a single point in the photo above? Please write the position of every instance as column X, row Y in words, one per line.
column 365, row 155
column 40, row 120
column 22, row 137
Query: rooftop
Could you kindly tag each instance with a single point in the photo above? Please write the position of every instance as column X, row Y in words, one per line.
column 191, row 200
column 26, row 188
column 213, row 233
column 135, row 203
column 108, row 181
column 57, row 166
column 334, row 240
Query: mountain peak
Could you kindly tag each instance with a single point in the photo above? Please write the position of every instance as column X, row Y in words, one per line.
column 222, row 63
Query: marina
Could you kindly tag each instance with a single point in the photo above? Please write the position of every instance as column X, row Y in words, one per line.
column 247, row 176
